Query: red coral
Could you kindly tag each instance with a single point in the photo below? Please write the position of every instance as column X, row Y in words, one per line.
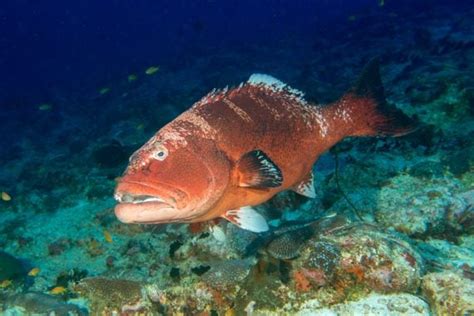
column 315, row 276
column 357, row 271
column 302, row 283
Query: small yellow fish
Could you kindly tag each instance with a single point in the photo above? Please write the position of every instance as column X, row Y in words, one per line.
column 45, row 107
column 140, row 126
column 132, row 77
column 34, row 272
column 6, row 197
column 381, row 3
column 152, row 70
column 104, row 91
column 58, row 290
column 5, row 283
column 107, row 236
column 351, row 18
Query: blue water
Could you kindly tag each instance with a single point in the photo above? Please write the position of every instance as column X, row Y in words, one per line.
column 71, row 115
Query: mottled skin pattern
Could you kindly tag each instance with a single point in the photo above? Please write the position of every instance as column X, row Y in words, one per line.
column 291, row 138
column 199, row 179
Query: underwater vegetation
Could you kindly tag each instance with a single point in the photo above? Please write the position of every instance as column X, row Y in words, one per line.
column 383, row 227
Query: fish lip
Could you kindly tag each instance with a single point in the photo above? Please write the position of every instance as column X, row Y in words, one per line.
column 124, row 198
column 124, row 194
column 138, row 203
column 150, row 213
column 142, row 213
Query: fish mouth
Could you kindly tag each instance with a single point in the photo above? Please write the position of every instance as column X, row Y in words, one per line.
column 140, row 203
column 137, row 199
column 141, row 209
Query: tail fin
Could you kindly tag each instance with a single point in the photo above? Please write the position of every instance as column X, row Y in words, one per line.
column 368, row 110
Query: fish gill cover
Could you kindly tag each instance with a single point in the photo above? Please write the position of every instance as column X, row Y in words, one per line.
column 379, row 225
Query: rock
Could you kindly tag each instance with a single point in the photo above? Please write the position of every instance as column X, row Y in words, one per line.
column 374, row 304
column 419, row 206
column 359, row 260
column 324, row 256
column 40, row 304
column 449, row 293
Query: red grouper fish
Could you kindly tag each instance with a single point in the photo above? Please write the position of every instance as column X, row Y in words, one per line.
column 237, row 148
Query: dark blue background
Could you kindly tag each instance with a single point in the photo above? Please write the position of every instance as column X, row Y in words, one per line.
column 48, row 45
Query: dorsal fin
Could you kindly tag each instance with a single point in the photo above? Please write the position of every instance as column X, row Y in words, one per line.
column 266, row 80
column 274, row 84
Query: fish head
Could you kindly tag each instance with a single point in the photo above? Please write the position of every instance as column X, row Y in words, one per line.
column 170, row 181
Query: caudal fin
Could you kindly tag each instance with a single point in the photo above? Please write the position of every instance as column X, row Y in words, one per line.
column 365, row 107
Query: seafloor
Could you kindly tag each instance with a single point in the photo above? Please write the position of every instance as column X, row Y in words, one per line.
column 401, row 243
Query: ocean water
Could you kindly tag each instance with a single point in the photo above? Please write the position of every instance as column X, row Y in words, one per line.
column 388, row 229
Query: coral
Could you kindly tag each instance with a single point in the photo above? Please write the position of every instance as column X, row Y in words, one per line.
column 374, row 304
column 325, row 256
column 228, row 273
column 42, row 304
column 416, row 207
column 417, row 185
column 359, row 260
column 183, row 299
column 111, row 295
column 449, row 293
column 302, row 283
column 287, row 246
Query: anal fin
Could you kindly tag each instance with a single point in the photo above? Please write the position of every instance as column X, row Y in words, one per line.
column 306, row 187
column 247, row 218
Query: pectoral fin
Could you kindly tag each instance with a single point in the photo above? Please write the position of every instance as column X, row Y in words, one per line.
column 256, row 170
column 247, row 218
column 306, row 187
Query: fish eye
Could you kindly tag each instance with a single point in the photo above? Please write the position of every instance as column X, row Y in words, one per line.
column 160, row 154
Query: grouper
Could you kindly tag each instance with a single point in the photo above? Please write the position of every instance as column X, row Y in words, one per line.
column 236, row 148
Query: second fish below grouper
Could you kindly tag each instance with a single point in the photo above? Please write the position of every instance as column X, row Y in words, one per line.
column 237, row 148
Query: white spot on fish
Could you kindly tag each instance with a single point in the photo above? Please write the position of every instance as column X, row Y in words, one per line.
column 321, row 122
column 174, row 136
column 275, row 85
column 197, row 120
column 241, row 113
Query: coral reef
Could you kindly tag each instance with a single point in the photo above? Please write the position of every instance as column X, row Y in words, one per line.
column 449, row 293
column 34, row 303
column 404, row 230
column 374, row 304
column 359, row 260
column 417, row 207
column 224, row 274
column 108, row 296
